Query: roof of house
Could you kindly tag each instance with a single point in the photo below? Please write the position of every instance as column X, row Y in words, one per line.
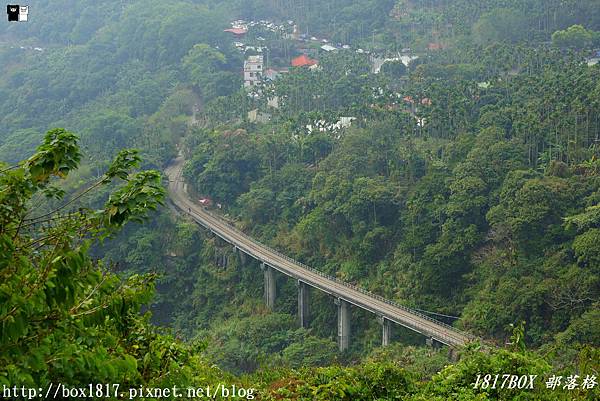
column 236, row 31
column 258, row 59
column 272, row 73
column 303, row 60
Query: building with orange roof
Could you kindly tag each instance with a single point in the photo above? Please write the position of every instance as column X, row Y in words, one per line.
column 303, row 61
column 239, row 32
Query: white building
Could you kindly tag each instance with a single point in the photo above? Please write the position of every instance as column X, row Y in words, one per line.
column 273, row 102
column 378, row 62
column 256, row 116
column 253, row 70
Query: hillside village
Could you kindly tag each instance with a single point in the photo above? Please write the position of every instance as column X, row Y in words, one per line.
column 258, row 71
column 254, row 39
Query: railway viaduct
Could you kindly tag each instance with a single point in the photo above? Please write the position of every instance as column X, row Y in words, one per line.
column 344, row 294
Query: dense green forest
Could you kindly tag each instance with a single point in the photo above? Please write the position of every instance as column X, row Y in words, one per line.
column 467, row 186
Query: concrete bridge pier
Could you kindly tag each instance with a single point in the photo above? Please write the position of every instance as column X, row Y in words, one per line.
column 386, row 331
column 270, row 286
column 303, row 304
column 241, row 255
column 452, row 354
column 220, row 258
column 343, row 324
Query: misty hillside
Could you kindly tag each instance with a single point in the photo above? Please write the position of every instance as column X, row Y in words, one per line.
column 436, row 164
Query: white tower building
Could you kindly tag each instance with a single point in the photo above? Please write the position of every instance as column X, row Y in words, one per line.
column 253, row 70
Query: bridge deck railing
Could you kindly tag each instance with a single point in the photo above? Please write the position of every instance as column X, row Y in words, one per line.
column 335, row 279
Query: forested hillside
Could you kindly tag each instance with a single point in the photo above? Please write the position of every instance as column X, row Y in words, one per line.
column 126, row 71
column 444, row 155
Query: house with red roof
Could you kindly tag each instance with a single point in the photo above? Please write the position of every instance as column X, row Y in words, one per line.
column 238, row 32
column 303, row 61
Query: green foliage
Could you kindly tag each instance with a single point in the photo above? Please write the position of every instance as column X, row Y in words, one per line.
column 586, row 249
column 354, row 21
column 583, row 221
column 205, row 67
column 393, row 69
column 242, row 345
column 370, row 381
column 56, row 156
column 582, row 330
column 229, row 168
column 517, row 339
column 422, row 362
column 143, row 192
column 125, row 160
column 575, row 36
column 387, row 381
column 310, row 351
column 501, row 25
column 456, row 381
column 530, row 209
column 65, row 318
column 274, row 197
